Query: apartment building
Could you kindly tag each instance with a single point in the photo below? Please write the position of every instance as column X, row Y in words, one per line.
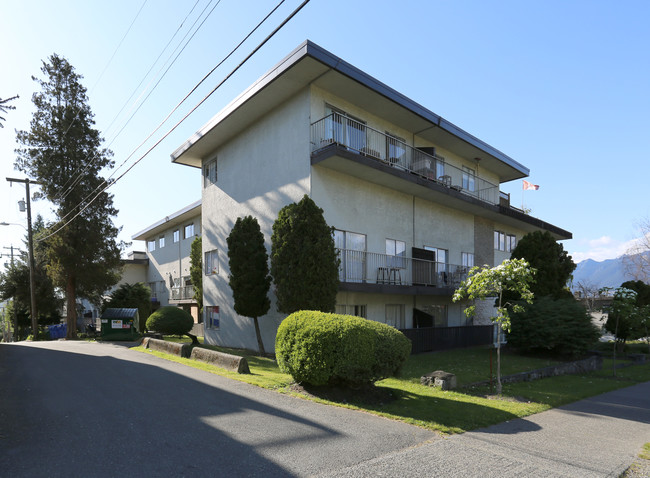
column 168, row 244
column 414, row 200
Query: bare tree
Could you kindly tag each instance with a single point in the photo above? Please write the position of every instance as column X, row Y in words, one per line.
column 588, row 294
column 637, row 258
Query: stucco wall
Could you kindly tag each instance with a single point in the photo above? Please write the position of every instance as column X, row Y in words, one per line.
column 258, row 172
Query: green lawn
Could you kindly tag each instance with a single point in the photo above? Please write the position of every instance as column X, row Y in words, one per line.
column 449, row 411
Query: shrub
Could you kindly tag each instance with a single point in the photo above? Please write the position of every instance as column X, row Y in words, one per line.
column 561, row 326
column 320, row 348
column 170, row 320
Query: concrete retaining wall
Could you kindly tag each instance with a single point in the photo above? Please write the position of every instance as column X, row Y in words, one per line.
column 233, row 363
column 590, row 364
column 182, row 350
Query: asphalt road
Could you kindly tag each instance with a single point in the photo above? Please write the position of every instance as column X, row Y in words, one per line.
column 85, row 409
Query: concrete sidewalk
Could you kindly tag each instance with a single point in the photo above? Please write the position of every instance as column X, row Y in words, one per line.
column 596, row 437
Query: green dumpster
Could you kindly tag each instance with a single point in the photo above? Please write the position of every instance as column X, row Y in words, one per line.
column 120, row 324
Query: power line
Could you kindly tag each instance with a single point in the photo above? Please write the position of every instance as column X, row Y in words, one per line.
column 176, row 108
column 255, row 50
column 76, row 176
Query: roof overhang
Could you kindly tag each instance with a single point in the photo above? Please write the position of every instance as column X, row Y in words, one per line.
column 309, row 64
column 177, row 218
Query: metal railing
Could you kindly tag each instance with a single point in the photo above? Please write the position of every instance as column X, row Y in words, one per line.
column 182, row 293
column 374, row 268
column 356, row 136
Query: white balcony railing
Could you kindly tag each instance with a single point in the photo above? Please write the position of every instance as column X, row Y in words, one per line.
column 373, row 268
column 182, row 293
column 358, row 137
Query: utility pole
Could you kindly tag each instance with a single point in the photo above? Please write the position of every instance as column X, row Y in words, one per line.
column 15, row 317
column 32, row 290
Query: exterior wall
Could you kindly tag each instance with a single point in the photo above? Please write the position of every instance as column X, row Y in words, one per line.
column 171, row 261
column 257, row 175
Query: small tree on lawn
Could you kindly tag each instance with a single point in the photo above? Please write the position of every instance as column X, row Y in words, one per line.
column 170, row 320
column 249, row 272
column 513, row 275
column 304, row 259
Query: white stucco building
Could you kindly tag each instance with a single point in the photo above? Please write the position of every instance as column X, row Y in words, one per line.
column 415, row 200
column 168, row 243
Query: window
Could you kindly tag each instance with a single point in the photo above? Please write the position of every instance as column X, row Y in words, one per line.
column 346, row 130
column 211, row 261
column 151, row 245
column 188, row 231
column 212, row 316
column 499, row 241
column 395, row 315
column 440, row 167
column 511, row 242
column 177, row 235
column 441, row 258
column 210, row 173
column 469, row 179
column 441, row 255
column 398, row 249
column 153, row 289
column 161, row 241
column 358, row 310
column 467, row 259
column 395, row 149
column 352, row 248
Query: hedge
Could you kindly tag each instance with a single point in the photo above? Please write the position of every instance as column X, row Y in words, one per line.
column 320, row 348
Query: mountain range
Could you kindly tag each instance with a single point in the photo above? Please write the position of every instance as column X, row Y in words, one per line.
column 608, row 273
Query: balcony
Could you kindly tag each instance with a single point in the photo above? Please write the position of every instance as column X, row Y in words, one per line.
column 365, row 141
column 185, row 293
column 373, row 272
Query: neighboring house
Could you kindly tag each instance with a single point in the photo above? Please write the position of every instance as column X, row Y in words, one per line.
column 414, row 200
column 168, row 243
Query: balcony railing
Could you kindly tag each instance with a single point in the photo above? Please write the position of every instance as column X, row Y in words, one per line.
column 373, row 268
column 358, row 137
column 182, row 293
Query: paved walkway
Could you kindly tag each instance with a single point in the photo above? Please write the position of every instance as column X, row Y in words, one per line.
column 596, row 437
column 83, row 409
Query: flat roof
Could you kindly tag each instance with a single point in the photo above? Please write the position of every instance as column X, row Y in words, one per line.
column 310, row 63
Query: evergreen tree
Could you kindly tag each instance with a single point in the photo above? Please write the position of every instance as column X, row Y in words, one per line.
column 554, row 266
column 196, row 271
column 304, row 259
column 5, row 106
column 249, row 272
column 63, row 152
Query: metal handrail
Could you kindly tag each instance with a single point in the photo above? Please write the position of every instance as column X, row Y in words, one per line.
column 182, row 293
column 374, row 268
column 357, row 136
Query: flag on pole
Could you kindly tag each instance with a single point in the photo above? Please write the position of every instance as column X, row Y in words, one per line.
column 530, row 186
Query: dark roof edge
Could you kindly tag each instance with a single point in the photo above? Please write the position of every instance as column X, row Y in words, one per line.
column 167, row 219
column 309, row 48
column 365, row 79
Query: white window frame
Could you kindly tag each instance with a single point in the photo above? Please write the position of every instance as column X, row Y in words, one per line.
column 356, row 310
column 210, row 173
column 469, row 179
column 499, row 241
column 177, row 235
column 161, row 241
column 467, row 259
column 189, row 226
column 395, row 315
column 212, row 317
column 151, row 245
column 511, row 242
column 211, row 262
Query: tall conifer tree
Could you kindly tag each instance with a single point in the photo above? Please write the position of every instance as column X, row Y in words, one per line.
column 63, row 151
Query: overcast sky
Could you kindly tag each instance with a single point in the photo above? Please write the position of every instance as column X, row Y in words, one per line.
column 561, row 86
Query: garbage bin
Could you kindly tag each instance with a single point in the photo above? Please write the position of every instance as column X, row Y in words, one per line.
column 120, row 324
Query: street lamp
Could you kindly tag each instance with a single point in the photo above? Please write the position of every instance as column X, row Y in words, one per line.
column 32, row 289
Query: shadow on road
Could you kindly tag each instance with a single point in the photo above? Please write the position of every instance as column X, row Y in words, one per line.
column 68, row 414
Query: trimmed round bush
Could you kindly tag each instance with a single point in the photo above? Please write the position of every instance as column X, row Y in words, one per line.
column 319, row 348
column 170, row 320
